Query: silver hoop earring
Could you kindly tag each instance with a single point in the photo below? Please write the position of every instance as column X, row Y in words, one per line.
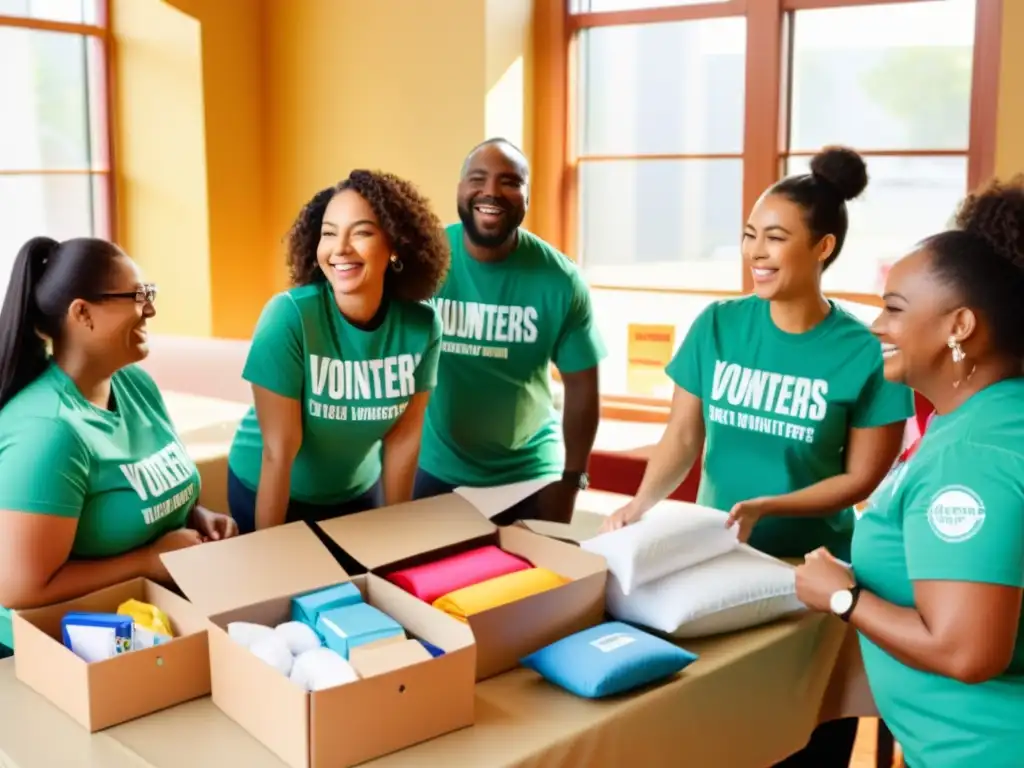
column 396, row 263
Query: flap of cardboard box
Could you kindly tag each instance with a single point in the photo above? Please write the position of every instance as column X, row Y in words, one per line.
column 389, row 535
column 495, row 499
column 276, row 562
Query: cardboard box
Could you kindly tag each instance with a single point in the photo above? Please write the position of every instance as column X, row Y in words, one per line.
column 253, row 578
column 403, row 535
column 110, row 692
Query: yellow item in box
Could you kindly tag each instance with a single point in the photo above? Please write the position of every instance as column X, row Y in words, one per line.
column 147, row 616
column 502, row 590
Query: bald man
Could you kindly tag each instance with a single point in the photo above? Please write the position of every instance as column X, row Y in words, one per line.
column 511, row 306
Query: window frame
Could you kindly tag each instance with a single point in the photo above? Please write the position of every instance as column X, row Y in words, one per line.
column 103, row 102
column 768, row 89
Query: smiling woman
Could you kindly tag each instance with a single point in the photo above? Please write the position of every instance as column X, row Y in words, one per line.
column 342, row 364
column 94, row 483
column 786, row 392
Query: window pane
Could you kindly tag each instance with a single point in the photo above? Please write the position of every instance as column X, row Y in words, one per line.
column 883, row 76
column 49, row 99
column 907, row 199
column 59, row 206
column 662, row 223
column 674, row 88
column 71, row 11
column 599, row 6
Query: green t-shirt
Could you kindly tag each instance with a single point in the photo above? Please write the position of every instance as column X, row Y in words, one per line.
column 123, row 473
column 354, row 384
column 492, row 420
column 953, row 512
column 778, row 408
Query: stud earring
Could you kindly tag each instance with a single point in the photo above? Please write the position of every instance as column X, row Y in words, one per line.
column 396, row 263
column 958, row 352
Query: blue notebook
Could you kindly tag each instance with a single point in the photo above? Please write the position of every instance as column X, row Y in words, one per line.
column 350, row 626
column 307, row 608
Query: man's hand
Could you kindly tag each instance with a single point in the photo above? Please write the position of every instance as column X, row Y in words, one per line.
column 557, row 501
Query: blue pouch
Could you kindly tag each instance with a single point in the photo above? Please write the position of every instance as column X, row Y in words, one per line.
column 350, row 626
column 97, row 636
column 608, row 659
column 307, row 608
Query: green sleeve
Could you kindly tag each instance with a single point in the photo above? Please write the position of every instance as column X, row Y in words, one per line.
column 44, row 468
column 881, row 402
column 686, row 368
column 275, row 359
column 579, row 346
column 964, row 521
column 426, row 369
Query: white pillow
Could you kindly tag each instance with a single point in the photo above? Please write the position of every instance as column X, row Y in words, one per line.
column 671, row 536
column 737, row 590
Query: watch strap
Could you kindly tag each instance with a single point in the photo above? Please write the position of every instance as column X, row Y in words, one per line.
column 855, row 591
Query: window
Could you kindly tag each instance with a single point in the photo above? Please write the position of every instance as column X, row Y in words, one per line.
column 680, row 112
column 54, row 140
column 895, row 83
column 661, row 153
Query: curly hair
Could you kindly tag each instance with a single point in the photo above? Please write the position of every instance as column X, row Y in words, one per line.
column 413, row 230
column 983, row 257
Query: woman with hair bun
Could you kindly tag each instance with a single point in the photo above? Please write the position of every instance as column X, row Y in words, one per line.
column 938, row 555
column 785, row 391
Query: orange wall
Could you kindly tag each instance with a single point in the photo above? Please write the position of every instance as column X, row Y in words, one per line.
column 1010, row 127
column 229, row 115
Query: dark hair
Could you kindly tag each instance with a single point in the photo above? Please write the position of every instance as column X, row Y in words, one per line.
column 47, row 276
column 983, row 257
column 414, row 232
column 837, row 174
column 495, row 140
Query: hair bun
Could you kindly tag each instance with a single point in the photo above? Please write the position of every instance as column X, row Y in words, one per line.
column 995, row 213
column 841, row 168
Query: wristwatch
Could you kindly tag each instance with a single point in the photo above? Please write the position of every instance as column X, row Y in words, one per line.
column 579, row 479
column 844, row 601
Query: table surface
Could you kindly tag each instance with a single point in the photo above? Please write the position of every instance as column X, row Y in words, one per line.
column 771, row 679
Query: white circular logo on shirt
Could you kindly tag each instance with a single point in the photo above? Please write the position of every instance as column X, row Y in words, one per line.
column 956, row 513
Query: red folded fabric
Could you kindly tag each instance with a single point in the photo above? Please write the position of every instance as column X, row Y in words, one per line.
column 433, row 580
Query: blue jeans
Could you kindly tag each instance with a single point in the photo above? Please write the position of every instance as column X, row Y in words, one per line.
column 427, row 485
column 242, row 503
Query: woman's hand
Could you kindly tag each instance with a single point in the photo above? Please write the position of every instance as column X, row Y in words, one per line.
column 212, row 526
column 746, row 514
column 622, row 517
column 820, row 576
column 169, row 542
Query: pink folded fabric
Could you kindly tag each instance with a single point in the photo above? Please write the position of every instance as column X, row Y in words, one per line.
column 433, row 580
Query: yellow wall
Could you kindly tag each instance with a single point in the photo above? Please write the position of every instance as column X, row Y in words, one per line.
column 229, row 114
column 1010, row 127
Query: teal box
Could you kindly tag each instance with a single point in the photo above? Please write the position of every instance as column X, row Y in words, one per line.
column 353, row 625
column 307, row 608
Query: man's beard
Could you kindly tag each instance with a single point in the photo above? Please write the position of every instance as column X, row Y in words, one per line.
column 513, row 219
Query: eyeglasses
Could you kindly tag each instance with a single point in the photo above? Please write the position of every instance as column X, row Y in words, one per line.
column 144, row 295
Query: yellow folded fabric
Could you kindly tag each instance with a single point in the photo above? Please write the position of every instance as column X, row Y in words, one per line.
column 147, row 616
column 468, row 601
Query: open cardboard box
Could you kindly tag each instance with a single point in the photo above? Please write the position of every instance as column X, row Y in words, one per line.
column 403, row 535
column 253, row 578
column 130, row 685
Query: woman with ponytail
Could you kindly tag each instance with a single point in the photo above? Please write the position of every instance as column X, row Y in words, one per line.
column 94, row 482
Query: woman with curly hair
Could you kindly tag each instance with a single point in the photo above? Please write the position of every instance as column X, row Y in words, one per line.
column 938, row 553
column 342, row 365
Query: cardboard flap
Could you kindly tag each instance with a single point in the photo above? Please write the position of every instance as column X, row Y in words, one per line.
column 493, row 500
column 272, row 563
column 391, row 534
